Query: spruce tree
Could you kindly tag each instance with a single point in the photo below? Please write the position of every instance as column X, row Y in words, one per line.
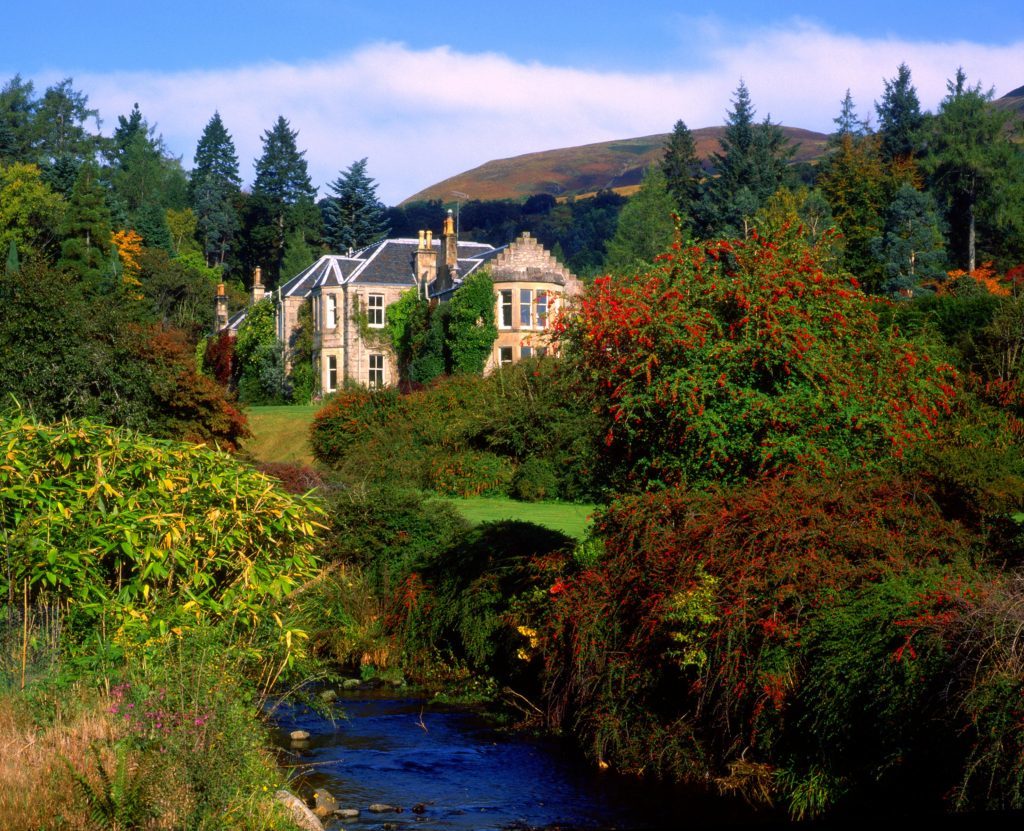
column 85, row 231
column 282, row 200
column 976, row 169
column 17, row 107
column 213, row 190
column 899, row 118
column 645, row 227
column 751, row 167
column 911, row 249
column 682, row 171
column 354, row 217
column 847, row 123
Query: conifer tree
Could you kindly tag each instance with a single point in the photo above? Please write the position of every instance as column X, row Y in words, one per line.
column 213, row 189
column 975, row 168
column 682, row 172
column 354, row 217
column 282, row 199
column 85, row 231
column 751, row 167
column 910, row 249
column 854, row 181
column 847, row 123
column 17, row 106
column 645, row 227
column 899, row 118
column 145, row 178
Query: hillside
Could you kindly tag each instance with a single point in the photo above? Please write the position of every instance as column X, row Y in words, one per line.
column 1012, row 101
column 590, row 167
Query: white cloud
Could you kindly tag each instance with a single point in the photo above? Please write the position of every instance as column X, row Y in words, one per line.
column 421, row 115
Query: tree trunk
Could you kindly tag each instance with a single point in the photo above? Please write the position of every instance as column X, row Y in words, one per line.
column 970, row 237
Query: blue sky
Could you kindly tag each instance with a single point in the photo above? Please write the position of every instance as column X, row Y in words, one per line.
column 428, row 89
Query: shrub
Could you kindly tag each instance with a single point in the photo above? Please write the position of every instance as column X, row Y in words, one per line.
column 147, row 533
column 470, row 473
column 695, row 639
column 535, row 480
column 732, row 359
column 387, row 531
column 464, row 601
column 348, row 418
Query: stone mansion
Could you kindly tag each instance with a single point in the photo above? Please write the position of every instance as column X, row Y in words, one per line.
column 350, row 293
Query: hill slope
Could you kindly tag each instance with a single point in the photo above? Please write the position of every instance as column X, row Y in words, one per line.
column 590, row 167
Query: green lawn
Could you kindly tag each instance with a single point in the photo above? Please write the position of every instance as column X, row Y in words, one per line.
column 567, row 517
column 280, row 434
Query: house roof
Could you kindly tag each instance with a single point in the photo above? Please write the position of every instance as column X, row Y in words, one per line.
column 389, row 262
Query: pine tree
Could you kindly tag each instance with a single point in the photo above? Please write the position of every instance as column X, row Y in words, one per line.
column 899, row 118
column 85, row 231
column 847, row 123
column 682, row 171
column 910, row 249
column 282, row 199
column 854, row 181
column 17, row 107
column 354, row 217
column 975, row 168
column 214, row 188
column 144, row 175
column 751, row 167
column 645, row 227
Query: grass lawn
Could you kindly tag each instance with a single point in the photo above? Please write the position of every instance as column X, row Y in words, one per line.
column 567, row 517
column 280, row 434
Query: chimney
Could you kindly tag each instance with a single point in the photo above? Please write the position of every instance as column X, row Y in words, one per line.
column 258, row 292
column 450, row 249
column 425, row 262
column 221, row 309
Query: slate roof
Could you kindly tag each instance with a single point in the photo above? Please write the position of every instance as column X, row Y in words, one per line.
column 390, row 262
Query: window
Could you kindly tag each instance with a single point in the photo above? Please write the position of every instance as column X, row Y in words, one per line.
column 376, row 371
column 542, row 351
column 375, row 311
column 525, row 352
column 526, row 308
column 505, row 308
column 542, row 309
column 332, row 373
column 332, row 311
column 504, row 355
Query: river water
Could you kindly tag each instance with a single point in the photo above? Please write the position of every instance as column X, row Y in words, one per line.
column 465, row 774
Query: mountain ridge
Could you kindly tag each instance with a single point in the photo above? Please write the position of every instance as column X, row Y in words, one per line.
column 617, row 164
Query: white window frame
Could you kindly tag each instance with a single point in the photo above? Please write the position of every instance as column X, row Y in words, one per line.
column 331, row 317
column 542, row 301
column 332, row 373
column 525, row 308
column 375, row 311
column 503, row 307
column 376, row 374
column 502, row 352
column 525, row 351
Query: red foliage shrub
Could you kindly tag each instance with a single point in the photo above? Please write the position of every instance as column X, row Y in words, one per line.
column 699, row 605
column 182, row 403
column 734, row 359
column 297, row 479
column 219, row 358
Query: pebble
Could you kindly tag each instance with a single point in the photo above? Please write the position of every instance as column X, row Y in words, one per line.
column 299, row 735
column 381, row 808
column 351, row 684
column 347, row 813
column 327, row 696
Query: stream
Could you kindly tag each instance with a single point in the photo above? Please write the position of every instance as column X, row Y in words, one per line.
column 459, row 772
